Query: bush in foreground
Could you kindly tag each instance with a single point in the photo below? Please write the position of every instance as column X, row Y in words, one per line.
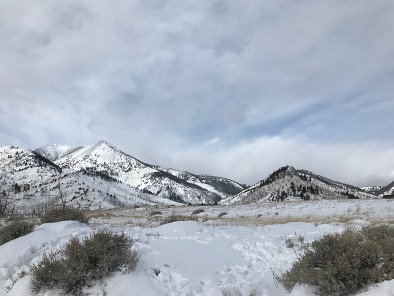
column 342, row 264
column 63, row 214
column 83, row 261
column 14, row 230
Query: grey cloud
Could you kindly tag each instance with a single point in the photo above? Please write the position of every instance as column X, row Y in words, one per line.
column 251, row 161
column 161, row 77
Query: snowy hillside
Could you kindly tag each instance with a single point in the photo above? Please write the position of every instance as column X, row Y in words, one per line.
column 28, row 180
column 288, row 183
column 54, row 152
column 336, row 189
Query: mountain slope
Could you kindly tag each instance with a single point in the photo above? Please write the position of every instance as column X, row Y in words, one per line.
column 287, row 182
column 386, row 190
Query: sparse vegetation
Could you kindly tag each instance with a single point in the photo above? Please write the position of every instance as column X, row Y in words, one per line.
column 231, row 291
column 297, row 241
column 154, row 213
column 14, row 230
column 83, row 261
column 174, row 217
column 222, row 214
column 344, row 263
column 289, row 242
column 198, row 211
column 156, row 271
column 63, row 214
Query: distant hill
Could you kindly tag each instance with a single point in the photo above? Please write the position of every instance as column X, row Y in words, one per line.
column 287, row 183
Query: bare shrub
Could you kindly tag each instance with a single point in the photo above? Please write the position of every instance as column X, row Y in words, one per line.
column 175, row 217
column 222, row 214
column 231, row 291
column 198, row 211
column 289, row 242
column 63, row 214
column 342, row 264
column 83, row 261
column 14, row 230
column 47, row 274
column 154, row 213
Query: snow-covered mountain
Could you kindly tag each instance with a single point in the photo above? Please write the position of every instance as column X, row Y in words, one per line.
column 98, row 176
column 289, row 183
column 102, row 176
column 165, row 183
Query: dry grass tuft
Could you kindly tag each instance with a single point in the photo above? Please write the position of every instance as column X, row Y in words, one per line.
column 231, row 291
column 154, row 213
column 222, row 214
column 176, row 217
column 63, row 214
column 198, row 211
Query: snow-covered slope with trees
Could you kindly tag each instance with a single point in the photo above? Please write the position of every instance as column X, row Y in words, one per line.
column 386, row 190
column 28, row 180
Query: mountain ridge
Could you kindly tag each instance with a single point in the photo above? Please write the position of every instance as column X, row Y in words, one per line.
column 102, row 176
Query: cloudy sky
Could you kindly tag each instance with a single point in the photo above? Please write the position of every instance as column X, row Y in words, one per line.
column 231, row 88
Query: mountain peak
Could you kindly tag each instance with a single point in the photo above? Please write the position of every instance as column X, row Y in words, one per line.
column 103, row 144
column 280, row 173
column 290, row 169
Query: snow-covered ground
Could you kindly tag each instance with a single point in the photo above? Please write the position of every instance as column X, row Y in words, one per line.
column 200, row 258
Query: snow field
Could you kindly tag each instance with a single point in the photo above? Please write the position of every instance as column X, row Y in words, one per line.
column 198, row 259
